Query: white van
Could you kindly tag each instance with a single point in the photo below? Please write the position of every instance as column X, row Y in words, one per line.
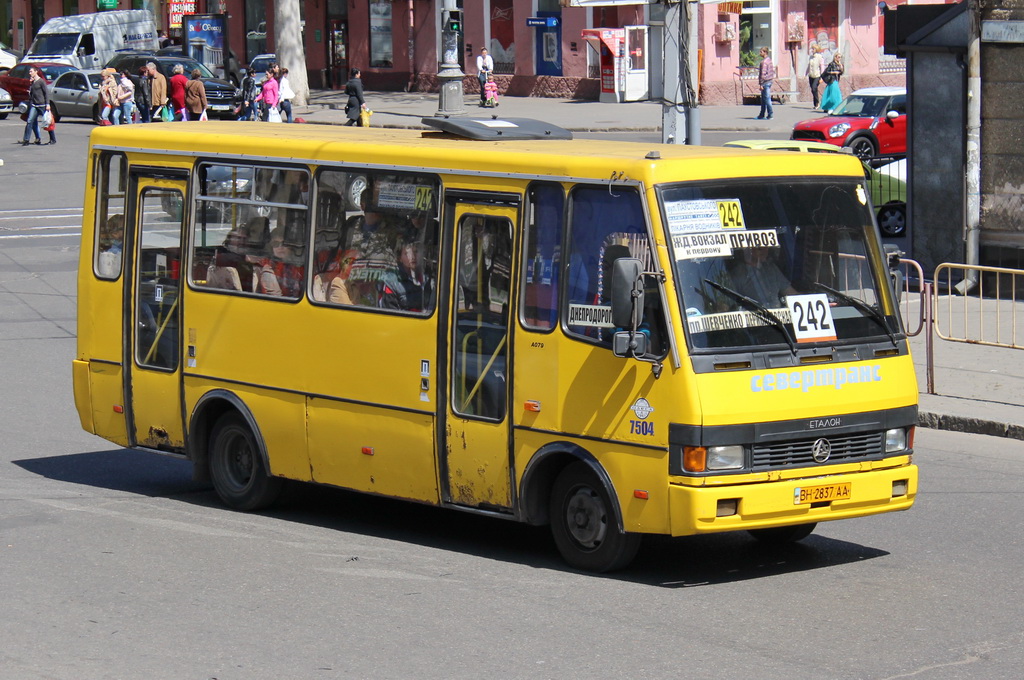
column 90, row 40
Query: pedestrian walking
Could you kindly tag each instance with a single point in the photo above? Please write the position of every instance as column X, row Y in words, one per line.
column 250, row 90
column 158, row 92
column 108, row 97
column 815, row 65
column 126, row 98
column 831, row 75
column 270, row 96
column 142, row 94
column 177, row 86
column 356, row 102
column 484, row 67
column 765, row 78
column 38, row 105
column 195, row 96
column 287, row 95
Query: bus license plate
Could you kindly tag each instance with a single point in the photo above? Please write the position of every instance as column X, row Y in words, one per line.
column 823, row 493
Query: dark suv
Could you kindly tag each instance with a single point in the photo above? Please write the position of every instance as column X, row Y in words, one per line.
column 221, row 95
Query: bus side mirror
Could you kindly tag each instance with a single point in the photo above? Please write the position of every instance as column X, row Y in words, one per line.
column 892, row 258
column 627, row 293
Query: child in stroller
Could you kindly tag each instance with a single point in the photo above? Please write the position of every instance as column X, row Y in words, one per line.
column 490, row 92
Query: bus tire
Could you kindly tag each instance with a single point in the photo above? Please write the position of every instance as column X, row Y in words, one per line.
column 236, row 466
column 584, row 525
column 783, row 535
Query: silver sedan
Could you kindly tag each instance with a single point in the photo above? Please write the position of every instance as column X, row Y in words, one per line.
column 76, row 94
column 6, row 103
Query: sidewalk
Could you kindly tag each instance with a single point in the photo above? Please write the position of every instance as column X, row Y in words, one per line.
column 980, row 389
column 405, row 109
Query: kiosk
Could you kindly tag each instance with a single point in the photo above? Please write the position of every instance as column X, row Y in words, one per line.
column 622, row 60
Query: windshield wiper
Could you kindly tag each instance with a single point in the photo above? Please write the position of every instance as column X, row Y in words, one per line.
column 760, row 310
column 864, row 307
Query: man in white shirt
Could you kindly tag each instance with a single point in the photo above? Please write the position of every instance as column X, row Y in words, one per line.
column 484, row 66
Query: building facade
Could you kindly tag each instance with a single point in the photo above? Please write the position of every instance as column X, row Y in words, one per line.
column 538, row 45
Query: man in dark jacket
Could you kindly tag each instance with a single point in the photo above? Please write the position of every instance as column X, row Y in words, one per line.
column 143, row 95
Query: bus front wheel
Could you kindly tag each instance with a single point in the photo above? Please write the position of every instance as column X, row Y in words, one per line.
column 584, row 525
column 783, row 535
column 239, row 475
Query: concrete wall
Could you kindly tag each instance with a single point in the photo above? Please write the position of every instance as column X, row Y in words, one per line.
column 1002, row 145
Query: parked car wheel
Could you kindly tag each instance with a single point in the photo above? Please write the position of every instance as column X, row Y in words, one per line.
column 96, row 114
column 892, row 219
column 3, row 116
column 862, row 147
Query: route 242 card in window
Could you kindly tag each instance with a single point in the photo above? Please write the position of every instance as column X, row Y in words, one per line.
column 812, row 317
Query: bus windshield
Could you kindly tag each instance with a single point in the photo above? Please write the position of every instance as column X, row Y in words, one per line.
column 779, row 261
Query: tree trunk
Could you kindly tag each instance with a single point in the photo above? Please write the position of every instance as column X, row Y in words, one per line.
column 291, row 53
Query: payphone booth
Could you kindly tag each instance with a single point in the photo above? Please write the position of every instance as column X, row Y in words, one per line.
column 622, row 60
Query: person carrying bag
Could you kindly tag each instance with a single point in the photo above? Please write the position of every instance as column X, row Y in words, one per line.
column 831, row 75
column 356, row 103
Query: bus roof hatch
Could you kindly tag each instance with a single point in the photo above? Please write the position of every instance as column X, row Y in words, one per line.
column 495, row 128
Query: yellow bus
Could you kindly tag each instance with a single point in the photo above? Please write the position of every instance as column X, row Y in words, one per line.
column 613, row 339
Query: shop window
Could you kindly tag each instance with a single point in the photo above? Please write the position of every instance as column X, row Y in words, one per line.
column 381, row 44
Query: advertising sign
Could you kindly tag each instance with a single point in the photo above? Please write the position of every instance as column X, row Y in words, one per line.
column 177, row 10
column 206, row 41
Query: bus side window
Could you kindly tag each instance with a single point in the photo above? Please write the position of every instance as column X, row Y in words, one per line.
column 542, row 255
column 376, row 240
column 110, row 215
column 607, row 225
column 242, row 244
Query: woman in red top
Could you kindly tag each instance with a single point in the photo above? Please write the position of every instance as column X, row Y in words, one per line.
column 177, row 85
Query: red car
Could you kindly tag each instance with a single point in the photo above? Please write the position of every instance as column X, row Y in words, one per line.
column 16, row 81
column 871, row 121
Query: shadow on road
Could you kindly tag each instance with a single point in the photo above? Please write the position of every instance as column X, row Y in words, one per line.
column 662, row 561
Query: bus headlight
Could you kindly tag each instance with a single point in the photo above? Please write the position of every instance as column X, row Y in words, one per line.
column 895, row 440
column 725, row 457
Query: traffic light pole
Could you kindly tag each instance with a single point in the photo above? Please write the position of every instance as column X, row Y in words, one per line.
column 450, row 99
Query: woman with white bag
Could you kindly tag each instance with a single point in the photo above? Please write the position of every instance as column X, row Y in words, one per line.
column 287, row 95
column 195, row 97
column 38, row 106
column 270, row 96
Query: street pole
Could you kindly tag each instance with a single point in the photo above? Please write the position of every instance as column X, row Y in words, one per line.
column 680, row 116
column 450, row 99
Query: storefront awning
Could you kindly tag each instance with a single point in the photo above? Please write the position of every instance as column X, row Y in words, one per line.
column 611, row 37
column 725, row 6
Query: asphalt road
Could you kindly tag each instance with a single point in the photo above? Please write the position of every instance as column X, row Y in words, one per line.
column 114, row 564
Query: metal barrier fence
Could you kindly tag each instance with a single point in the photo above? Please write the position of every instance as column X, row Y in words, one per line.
column 992, row 313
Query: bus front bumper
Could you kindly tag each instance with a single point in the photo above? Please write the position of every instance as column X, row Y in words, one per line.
column 698, row 510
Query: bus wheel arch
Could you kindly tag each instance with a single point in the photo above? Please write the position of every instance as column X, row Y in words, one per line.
column 565, row 481
column 222, row 419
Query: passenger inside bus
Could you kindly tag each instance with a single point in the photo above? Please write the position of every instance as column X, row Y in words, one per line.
column 757, row 276
column 282, row 272
column 110, row 245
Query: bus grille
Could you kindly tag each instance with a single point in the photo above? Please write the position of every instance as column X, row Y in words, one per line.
column 845, row 449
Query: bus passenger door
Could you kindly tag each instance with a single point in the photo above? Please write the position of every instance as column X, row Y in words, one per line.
column 477, row 456
column 156, row 215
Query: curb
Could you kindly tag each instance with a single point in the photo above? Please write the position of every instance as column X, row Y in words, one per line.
column 993, row 428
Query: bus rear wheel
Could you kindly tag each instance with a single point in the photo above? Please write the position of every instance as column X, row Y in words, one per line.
column 783, row 535
column 239, row 475
column 583, row 523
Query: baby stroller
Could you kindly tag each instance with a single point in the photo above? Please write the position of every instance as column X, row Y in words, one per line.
column 490, row 93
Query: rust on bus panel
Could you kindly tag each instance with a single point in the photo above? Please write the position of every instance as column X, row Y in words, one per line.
column 470, row 489
column 157, row 439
